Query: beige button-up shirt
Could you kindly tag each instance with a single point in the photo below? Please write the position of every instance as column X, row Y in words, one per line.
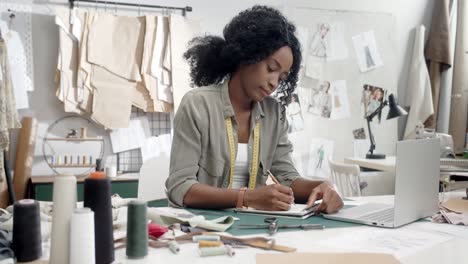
column 200, row 148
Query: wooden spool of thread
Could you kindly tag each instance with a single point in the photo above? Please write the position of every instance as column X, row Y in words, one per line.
column 204, row 243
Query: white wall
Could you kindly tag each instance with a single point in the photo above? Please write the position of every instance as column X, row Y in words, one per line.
column 214, row 14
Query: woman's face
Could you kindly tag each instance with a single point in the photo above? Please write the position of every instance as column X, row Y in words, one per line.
column 261, row 79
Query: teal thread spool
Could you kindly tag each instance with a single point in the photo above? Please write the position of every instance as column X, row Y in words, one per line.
column 137, row 230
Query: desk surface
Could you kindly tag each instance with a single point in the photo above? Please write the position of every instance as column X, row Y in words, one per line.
column 387, row 164
column 453, row 250
column 50, row 179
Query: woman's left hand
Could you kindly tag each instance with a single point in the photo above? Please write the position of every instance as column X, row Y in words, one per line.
column 331, row 200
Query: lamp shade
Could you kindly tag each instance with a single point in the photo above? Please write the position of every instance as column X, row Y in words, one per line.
column 395, row 109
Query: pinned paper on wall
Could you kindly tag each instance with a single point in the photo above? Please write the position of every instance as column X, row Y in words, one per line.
column 320, row 151
column 156, row 146
column 313, row 68
column 294, row 114
column 320, row 41
column 337, row 48
column 367, row 52
column 359, row 133
column 320, row 103
column 132, row 137
column 372, row 98
column 340, row 102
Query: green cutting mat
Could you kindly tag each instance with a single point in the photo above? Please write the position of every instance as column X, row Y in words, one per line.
column 258, row 219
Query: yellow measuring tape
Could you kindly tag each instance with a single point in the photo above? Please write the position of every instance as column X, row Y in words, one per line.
column 255, row 154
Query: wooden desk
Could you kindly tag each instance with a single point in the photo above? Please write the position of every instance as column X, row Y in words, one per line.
column 41, row 187
column 387, row 164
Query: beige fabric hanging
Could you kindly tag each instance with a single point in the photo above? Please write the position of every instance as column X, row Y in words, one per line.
column 116, row 44
column 84, row 67
column 150, row 82
column 419, row 87
column 67, row 64
column 459, row 108
column 112, row 98
column 438, row 52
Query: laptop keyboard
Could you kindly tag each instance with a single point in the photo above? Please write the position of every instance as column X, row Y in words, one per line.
column 385, row 215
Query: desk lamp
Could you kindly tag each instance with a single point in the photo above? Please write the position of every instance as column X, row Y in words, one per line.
column 394, row 111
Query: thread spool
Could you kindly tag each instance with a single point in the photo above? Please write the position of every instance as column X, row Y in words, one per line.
column 64, row 203
column 99, row 165
column 71, row 159
column 26, row 230
column 204, row 243
column 212, row 251
column 174, row 246
column 230, row 251
column 82, row 236
column 111, row 171
column 137, row 230
column 206, row 238
column 84, row 132
column 84, row 159
column 97, row 175
column 65, row 159
column 78, row 159
column 90, row 160
column 59, row 160
column 97, row 196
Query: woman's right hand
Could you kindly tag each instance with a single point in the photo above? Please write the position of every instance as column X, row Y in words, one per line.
column 273, row 197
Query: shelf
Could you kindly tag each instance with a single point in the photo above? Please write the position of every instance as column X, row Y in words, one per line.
column 74, row 166
column 75, row 139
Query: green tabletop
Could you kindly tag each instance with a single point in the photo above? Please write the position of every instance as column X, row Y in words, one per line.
column 258, row 219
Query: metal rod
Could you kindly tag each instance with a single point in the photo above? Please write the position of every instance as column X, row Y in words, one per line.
column 183, row 9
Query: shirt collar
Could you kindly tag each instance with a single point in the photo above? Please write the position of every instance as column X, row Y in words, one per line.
column 228, row 110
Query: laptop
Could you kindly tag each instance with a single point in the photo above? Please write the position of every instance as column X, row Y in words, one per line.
column 416, row 188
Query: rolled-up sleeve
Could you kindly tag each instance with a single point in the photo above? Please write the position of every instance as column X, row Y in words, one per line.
column 282, row 165
column 185, row 152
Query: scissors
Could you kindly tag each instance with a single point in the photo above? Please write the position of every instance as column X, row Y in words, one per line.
column 273, row 226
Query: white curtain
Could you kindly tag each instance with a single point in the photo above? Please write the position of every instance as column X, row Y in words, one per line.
column 459, row 104
column 447, row 77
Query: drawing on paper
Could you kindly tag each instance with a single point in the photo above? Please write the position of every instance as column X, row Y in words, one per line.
column 321, row 100
column 320, row 40
column 320, row 151
column 294, row 114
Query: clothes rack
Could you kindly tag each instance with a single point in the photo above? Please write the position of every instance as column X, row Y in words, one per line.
column 183, row 9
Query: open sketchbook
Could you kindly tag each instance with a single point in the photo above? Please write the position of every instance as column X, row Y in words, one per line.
column 296, row 211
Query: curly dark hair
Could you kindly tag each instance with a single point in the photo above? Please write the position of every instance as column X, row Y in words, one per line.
column 251, row 36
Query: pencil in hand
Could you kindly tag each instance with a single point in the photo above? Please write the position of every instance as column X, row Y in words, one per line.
column 273, row 178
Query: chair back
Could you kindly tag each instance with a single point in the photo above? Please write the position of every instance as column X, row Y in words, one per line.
column 346, row 178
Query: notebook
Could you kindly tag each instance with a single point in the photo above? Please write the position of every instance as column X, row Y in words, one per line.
column 296, row 211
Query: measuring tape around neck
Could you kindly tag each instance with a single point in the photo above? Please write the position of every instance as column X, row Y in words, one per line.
column 255, row 154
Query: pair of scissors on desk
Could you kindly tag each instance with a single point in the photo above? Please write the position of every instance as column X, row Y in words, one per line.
column 273, row 225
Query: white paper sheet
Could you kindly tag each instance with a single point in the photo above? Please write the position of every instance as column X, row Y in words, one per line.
column 132, row 137
column 320, row 151
column 367, row 52
column 156, row 146
column 320, row 102
column 337, row 48
column 320, row 40
column 399, row 242
column 340, row 102
column 314, row 68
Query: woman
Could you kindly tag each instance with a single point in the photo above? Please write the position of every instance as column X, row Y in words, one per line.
column 230, row 132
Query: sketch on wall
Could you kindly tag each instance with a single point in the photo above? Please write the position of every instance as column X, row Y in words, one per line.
column 321, row 150
column 367, row 52
column 372, row 98
column 294, row 114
